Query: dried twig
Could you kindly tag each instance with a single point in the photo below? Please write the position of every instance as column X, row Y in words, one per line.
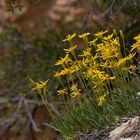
column 31, row 119
column 120, row 8
column 109, row 9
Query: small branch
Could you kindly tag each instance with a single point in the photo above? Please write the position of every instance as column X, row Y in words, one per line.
column 31, row 119
column 123, row 4
column 109, row 9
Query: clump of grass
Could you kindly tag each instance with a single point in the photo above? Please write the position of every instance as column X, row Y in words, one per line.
column 101, row 86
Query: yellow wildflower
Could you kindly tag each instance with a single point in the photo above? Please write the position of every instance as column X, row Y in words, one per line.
column 93, row 58
column 133, row 68
column 100, row 33
column 85, row 62
column 108, row 55
column 39, row 85
column 137, row 38
column 68, row 71
column 99, row 74
column 86, row 52
column 137, row 44
column 101, row 99
column 107, row 51
column 130, row 56
column 104, row 64
column 74, row 91
column 62, row 92
column 84, row 35
column 58, row 74
column 71, row 49
column 68, row 61
column 93, row 42
column 75, row 67
column 121, row 61
column 88, row 74
column 112, row 65
column 106, row 77
column 100, row 47
column 94, row 73
column 69, row 37
column 79, row 63
column 65, row 71
column 116, row 42
column 108, row 37
column 62, row 60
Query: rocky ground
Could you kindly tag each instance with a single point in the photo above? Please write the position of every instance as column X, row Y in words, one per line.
column 128, row 129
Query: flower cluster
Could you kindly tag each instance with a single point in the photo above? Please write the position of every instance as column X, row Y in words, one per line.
column 39, row 85
column 99, row 64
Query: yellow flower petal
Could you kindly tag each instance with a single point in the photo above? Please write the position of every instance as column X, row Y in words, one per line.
column 70, row 37
column 100, row 33
column 84, row 35
column 71, row 49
